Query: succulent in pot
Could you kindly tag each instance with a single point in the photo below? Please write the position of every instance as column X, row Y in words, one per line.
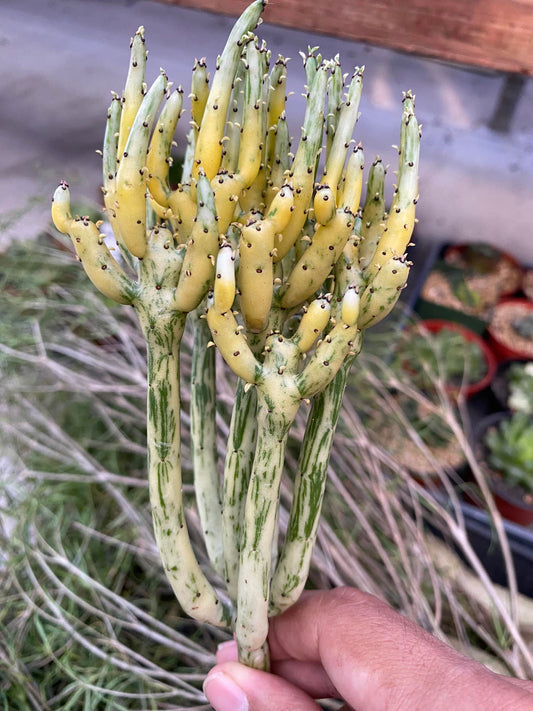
column 468, row 281
column 511, row 329
column 513, row 385
column 520, row 379
column 449, row 351
column 486, row 268
column 507, row 457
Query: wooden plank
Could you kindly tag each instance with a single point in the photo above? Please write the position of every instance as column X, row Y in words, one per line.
column 495, row 34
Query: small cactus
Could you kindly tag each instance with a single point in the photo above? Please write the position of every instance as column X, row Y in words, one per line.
column 279, row 267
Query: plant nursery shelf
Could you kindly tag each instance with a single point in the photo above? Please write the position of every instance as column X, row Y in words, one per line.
column 494, row 34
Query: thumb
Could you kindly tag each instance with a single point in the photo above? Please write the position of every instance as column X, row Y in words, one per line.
column 233, row 687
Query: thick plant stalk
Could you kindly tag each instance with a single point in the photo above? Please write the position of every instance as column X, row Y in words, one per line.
column 262, row 502
column 295, row 557
column 237, row 471
column 280, row 388
column 207, row 485
column 190, row 585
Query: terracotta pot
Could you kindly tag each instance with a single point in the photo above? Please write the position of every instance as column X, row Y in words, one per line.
column 504, row 345
column 436, row 325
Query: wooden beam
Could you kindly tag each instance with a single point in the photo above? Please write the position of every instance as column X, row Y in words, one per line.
column 494, row 34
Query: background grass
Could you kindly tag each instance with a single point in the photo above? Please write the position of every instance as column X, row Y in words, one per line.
column 87, row 618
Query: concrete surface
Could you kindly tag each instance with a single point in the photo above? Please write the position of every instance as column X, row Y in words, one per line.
column 59, row 59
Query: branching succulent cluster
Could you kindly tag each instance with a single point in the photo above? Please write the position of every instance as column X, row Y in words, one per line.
column 272, row 257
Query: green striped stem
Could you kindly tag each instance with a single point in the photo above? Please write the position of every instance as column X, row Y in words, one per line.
column 278, row 400
column 237, row 470
column 295, row 558
column 262, row 503
column 204, row 441
column 194, row 593
column 162, row 325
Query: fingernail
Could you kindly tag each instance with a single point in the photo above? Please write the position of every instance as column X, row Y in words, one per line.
column 223, row 693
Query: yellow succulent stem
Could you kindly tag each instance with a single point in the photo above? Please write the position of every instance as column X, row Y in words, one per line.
column 327, row 358
column 133, row 90
column 98, row 262
column 199, row 91
column 318, row 259
column 232, row 344
column 256, row 268
column 278, row 162
column 183, row 209
column 158, row 158
column 314, row 321
column 401, row 220
column 382, row 293
column 208, row 152
column 302, row 172
column 324, row 204
column 352, row 183
column 131, row 174
column 374, row 214
column 198, row 270
column 347, row 119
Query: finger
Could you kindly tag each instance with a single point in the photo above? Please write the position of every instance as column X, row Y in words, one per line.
column 227, row 652
column 308, row 676
column 234, row 687
column 378, row 659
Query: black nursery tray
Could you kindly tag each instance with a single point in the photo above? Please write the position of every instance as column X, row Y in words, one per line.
column 484, row 542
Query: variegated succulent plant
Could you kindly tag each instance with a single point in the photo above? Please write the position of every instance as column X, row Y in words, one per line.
column 276, row 261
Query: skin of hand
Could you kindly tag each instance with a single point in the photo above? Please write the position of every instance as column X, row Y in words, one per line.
column 346, row 644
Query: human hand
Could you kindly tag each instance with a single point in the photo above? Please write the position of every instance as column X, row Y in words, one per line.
column 348, row 645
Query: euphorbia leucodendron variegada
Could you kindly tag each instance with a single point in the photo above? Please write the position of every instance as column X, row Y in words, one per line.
column 277, row 262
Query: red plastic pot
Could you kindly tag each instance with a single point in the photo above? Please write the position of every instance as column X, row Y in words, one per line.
column 436, row 325
column 501, row 349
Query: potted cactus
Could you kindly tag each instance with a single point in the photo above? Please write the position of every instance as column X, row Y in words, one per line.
column 449, row 351
column 511, row 329
column 505, row 447
column 260, row 253
column 513, row 385
column 490, row 271
column 466, row 282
